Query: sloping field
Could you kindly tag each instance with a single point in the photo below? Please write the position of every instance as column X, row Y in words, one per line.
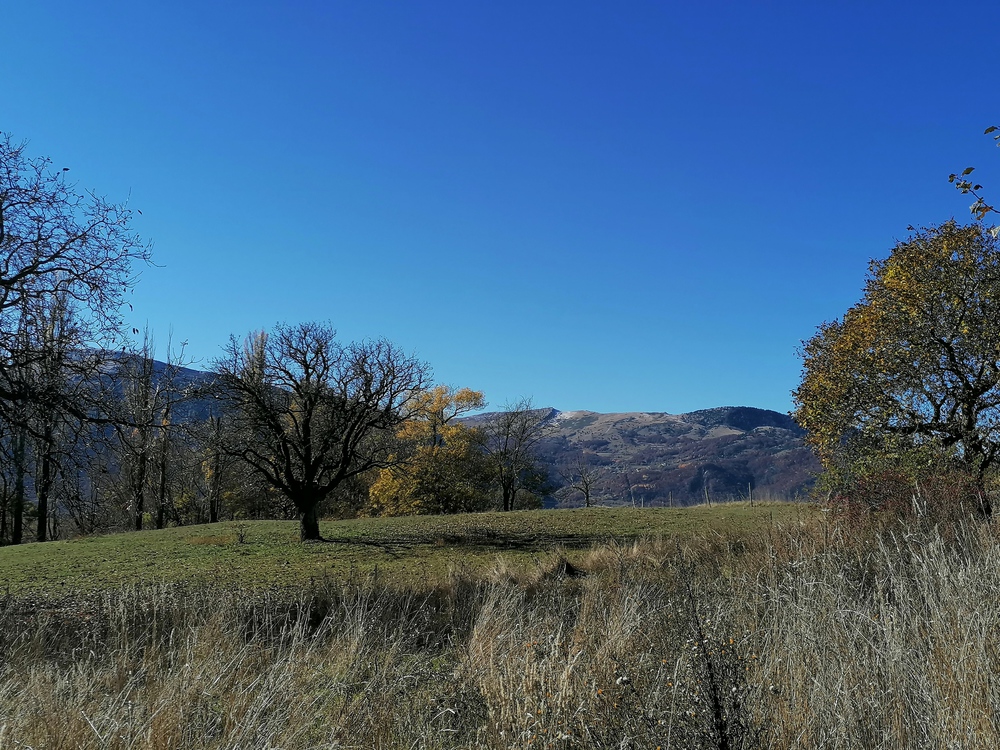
column 403, row 551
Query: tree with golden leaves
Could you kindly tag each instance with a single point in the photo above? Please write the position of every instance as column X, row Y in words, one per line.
column 444, row 471
column 911, row 373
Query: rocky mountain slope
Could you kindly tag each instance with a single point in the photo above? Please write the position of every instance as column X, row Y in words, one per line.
column 676, row 459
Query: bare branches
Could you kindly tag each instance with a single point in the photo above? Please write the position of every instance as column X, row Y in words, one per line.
column 509, row 440
column 580, row 476
column 309, row 413
column 58, row 247
column 54, row 239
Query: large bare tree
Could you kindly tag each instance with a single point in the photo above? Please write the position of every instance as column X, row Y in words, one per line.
column 57, row 241
column 66, row 257
column 307, row 412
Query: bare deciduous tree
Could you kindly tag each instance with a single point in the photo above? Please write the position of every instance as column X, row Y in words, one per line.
column 509, row 440
column 143, row 421
column 307, row 413
column 55, row 241
column 66, row 261
column 580, row 476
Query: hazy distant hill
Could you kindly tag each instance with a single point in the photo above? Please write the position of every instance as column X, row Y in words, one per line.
column 194, row 403
column 679, row 459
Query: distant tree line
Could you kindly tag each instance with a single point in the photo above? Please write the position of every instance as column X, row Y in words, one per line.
column 96, row 434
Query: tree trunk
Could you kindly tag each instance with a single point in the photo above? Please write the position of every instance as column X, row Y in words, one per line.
column 139, row 488
column 161, row 492
column 3, row 515
column 309, row 524
column 216, row 488
column 161, row 489
column 44, row 485
column 17, row 508
column 508, row 499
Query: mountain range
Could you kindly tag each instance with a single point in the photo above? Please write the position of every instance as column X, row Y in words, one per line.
column 676, row 459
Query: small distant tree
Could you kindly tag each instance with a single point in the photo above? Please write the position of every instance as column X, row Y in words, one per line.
column 910, row 376
column 215, row 465
column 580, row 476
column 60, row 387
column 143, row 415
column 307, row 413
column 56, row 382
column 510, row 438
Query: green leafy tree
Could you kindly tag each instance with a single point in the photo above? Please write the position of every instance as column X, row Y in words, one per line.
column 910, row 376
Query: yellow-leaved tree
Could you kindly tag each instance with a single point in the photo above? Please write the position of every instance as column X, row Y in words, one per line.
column 444, row 469
column 908, row 381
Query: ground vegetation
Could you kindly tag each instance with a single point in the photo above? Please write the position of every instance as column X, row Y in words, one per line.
column 795, row 635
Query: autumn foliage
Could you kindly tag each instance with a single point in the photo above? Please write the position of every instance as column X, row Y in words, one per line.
column 909, row 378
column 441, row 468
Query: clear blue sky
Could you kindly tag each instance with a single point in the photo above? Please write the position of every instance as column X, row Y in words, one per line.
column 608, row 206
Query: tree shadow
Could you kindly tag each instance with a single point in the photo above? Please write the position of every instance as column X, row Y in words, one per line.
column 387, row 548
column 486, row 540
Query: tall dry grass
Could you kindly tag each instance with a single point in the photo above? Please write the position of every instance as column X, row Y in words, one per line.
column 804, row 637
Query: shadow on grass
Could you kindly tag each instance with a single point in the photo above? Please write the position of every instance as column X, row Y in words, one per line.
column 388, row 548
column 486, row 540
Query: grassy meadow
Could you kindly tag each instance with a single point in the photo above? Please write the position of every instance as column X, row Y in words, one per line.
column 403, row 551
column 723, row 627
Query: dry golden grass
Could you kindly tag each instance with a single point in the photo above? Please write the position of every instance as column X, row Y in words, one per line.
column 802, row 636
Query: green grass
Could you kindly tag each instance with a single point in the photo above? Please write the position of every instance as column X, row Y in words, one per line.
column 399, row 551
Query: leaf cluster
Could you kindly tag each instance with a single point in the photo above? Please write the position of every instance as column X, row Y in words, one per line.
column 442, row 467
column 980, row 208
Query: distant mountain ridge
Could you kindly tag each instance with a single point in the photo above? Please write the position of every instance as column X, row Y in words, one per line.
column 654, row 459
column 646, row 458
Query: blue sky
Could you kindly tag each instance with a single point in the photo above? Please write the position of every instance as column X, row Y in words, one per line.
column 628, row 206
